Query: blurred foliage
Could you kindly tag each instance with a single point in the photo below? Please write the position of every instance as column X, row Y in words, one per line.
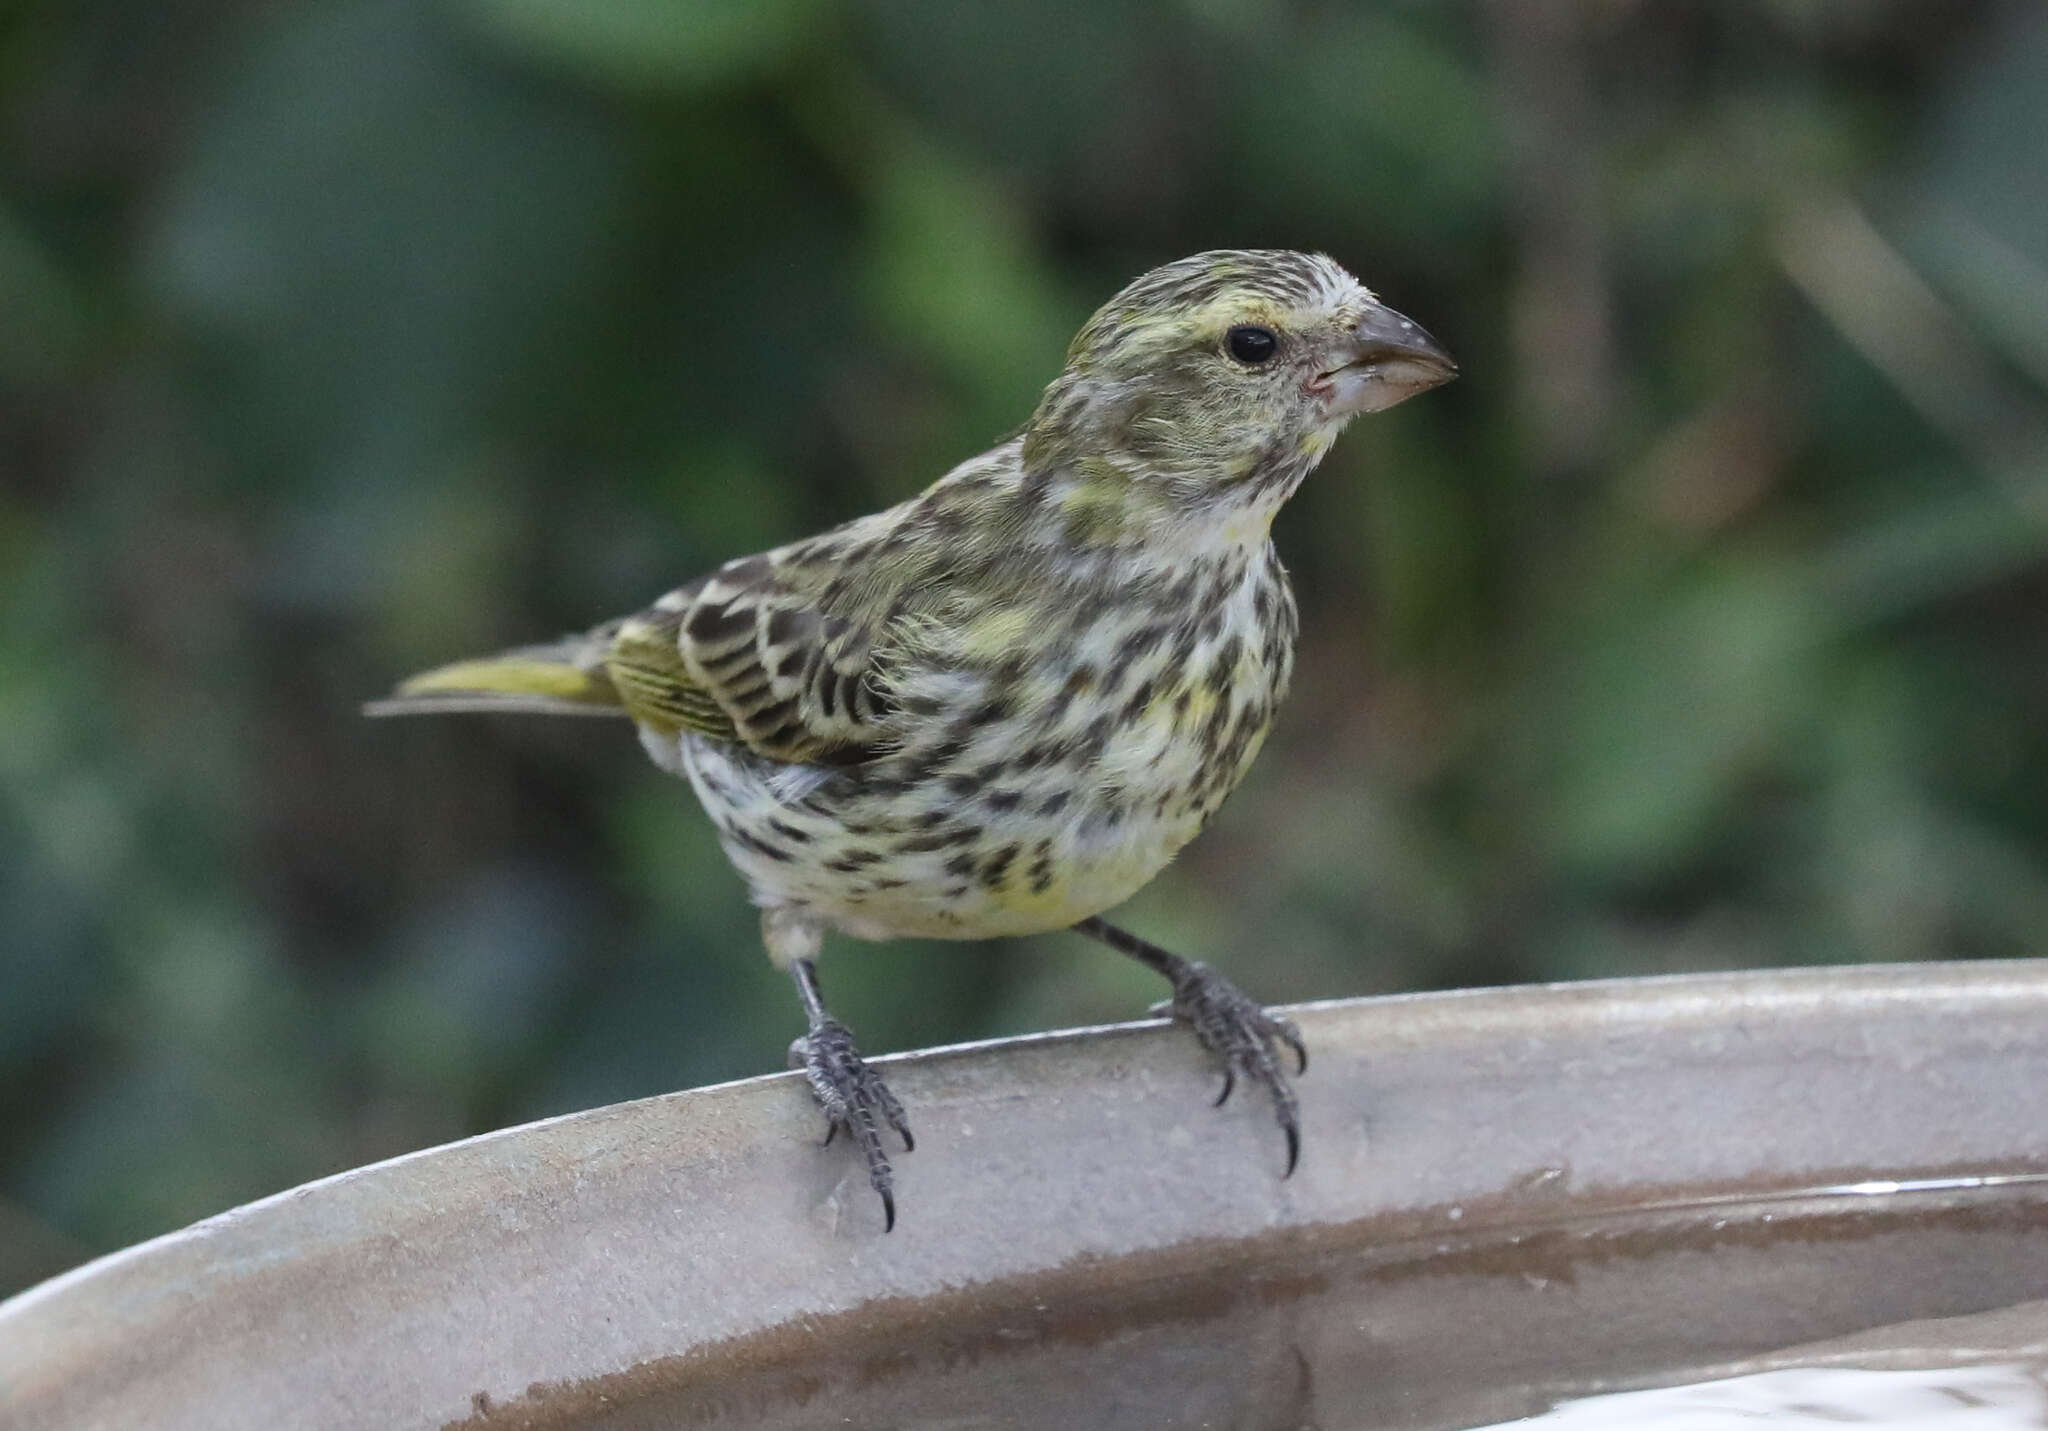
column 1700, row 625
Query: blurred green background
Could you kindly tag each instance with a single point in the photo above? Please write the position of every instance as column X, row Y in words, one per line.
column 1699, row 625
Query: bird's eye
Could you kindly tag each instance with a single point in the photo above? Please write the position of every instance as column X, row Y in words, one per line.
column 1251, row 344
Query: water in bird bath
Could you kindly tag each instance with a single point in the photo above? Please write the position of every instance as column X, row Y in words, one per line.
column 1795, row 1307
column 1988, row 1397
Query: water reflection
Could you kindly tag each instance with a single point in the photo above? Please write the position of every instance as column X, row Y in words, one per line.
column 1969, row 1398
column 1447, row 1323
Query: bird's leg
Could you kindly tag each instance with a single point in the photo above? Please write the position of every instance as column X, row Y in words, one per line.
column 852, row 1094
column 1227, row 1022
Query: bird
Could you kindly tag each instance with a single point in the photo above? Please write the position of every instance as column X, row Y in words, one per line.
column 1002, row 706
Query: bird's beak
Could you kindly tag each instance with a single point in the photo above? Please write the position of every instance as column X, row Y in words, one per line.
column 1388, row 359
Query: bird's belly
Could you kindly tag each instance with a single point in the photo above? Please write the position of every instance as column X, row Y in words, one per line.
column 1067, row 873
column 1022, row 799
column 934, row 858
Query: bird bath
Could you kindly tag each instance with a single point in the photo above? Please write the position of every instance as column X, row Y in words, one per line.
column 1506, row 1197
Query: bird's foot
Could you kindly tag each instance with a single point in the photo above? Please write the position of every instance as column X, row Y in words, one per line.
column 1244, row 1035
column 854, row 1098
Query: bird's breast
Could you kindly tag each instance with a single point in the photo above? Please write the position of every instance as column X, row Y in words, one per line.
column 1032, row 785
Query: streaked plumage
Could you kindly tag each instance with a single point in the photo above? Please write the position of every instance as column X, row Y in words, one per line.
column 1004, row 705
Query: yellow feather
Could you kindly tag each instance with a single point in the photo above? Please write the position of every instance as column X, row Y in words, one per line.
column 512, row 676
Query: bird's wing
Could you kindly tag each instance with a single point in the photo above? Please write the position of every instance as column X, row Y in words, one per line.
column 795, row 653
column 748, row 655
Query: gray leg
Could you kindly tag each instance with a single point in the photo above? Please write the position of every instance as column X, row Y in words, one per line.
column 852, row 1094
column 1226, row 1021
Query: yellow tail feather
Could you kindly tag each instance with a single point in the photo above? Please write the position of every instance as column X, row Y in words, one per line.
column 535, row 680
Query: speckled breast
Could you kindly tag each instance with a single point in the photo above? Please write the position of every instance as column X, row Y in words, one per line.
column 1025, row 794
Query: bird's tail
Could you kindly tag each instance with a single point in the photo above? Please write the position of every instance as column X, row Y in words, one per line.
column 565, row 678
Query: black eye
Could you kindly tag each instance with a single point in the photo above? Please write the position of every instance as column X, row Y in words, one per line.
column 1250, row 344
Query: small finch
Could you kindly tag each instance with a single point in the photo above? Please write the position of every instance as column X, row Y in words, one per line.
column 1002, row 706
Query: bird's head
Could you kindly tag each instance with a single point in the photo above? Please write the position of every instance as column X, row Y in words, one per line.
column 1227, row 375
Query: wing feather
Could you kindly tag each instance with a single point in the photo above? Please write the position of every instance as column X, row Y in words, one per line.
column 751, row 654
column 795, row 653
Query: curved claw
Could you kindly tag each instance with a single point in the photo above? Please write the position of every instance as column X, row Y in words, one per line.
column 1287, row 1033
column 854, row 1097
column 1243, row 1034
